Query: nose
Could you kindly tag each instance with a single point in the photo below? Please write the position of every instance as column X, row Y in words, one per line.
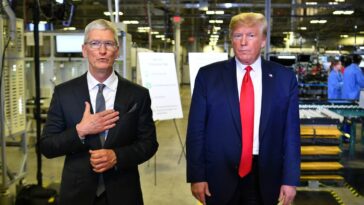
column 102, row 48
column 243, row 40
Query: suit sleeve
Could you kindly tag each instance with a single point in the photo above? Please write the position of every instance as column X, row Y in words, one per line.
column 58, row 140
column 145, row 145
column 292, row 144
column 195, row 143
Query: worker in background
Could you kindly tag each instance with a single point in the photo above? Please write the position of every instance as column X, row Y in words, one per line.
column 243, row 141
column 335, row 81
column 353, row 79
column 103, row 124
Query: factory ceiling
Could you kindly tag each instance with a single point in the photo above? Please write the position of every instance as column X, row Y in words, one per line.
column 305, row 23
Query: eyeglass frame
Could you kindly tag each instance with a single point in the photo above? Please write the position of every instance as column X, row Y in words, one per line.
column 99, row 43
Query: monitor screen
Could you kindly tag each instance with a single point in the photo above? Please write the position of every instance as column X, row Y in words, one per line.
column 71, row 43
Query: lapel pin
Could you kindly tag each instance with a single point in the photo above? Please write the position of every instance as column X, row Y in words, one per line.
column 271, row 75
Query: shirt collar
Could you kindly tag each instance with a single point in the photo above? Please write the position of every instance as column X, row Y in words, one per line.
column 110, row 82
column 256, row 66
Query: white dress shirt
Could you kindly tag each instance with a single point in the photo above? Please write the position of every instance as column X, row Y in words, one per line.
column 109, row 92
column 256, row 76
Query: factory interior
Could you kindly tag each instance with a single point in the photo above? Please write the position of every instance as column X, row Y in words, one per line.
column 41, row 47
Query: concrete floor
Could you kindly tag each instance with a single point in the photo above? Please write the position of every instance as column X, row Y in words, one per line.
column 164, row 178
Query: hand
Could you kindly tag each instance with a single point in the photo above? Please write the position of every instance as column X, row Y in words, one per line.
column 200, row 190
column 96, row 123
column 287, row 194
column 102, row 159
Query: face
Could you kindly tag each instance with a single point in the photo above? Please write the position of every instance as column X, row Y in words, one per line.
column 100, row 59
column 247, row 43
column 337, row 67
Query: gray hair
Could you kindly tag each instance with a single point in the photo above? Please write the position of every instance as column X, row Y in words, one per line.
column 101, row 24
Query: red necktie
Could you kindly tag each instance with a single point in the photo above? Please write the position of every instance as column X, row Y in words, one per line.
column 247, row 123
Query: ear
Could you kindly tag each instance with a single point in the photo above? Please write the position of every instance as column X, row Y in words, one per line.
column 264, row 40
column 84, row 51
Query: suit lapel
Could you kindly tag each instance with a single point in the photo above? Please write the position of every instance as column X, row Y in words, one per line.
column 268, row 76
column 229, row 77
column 81, row 92
column 121, row 104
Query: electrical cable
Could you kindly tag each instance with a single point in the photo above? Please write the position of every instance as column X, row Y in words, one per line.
column 2, row 62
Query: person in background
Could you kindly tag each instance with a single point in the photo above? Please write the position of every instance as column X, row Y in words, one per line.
column 103, row 124
column 243, row 135
column 335, row 81
column 353, row 79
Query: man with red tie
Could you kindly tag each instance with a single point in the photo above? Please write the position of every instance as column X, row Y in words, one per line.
column 243, row 141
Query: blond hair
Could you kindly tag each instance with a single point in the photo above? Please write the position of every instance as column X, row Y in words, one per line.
column 101, row 24
column 248, row 20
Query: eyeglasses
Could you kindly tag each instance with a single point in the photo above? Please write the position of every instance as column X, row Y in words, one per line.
column 109, row 45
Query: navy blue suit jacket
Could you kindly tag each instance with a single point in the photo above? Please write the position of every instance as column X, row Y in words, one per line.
column 214, row 131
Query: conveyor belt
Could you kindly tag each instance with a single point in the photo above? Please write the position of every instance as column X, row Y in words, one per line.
column 320, row 166
column 308, row 131
column 321, row 177
column 320, row 150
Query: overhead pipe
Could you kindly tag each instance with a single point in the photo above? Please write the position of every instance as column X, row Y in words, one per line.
column 109, row 8
column 12, row 19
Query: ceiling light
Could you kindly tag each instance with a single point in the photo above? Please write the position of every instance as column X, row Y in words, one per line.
column 216, row 21
column 130, row 22
column 286, row 57
column 344, row 36
column 69, row 28
column 217, row 12
column 318, row 21
column 343, row 12
column 340, row 0
column 303, row 28
column 154, row 32
column 228, row 5
column 333, row 3
column 311, row 3
column 106, row 13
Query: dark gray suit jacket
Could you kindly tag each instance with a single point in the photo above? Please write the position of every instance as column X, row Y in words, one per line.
column 133, row 139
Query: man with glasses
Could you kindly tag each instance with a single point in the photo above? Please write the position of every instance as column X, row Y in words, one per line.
column 243, row 142
column 103, row 124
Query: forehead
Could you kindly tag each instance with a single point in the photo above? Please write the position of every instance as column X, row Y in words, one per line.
column 246, row 29
column 101, row 34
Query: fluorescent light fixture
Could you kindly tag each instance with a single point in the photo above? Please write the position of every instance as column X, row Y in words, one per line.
column 344, row 36
column 160, row 36
column 60, row 1
column 343, row 12
column 303, row 28
column 228, row 5
column 216, row 28
column 286, row 57
column 318, row 21
column 71, row 28
column 106, row 13
column 154, row 32
column 217, row 12
column 333, row 3
column 216, row 21
column 131, row 22
column 311, row 3
column 340, row 0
